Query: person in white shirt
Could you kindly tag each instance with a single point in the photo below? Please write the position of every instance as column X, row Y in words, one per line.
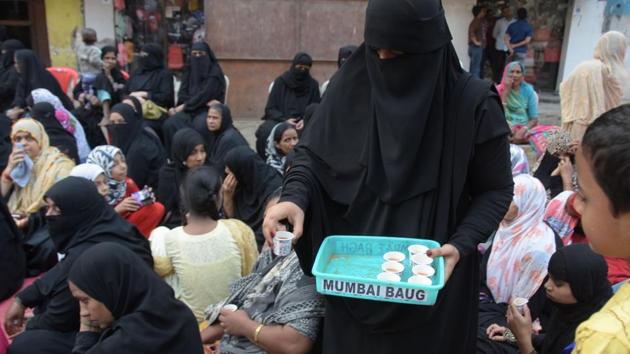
column 500, row 27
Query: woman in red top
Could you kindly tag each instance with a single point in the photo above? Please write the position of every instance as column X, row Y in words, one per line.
column 145, row 215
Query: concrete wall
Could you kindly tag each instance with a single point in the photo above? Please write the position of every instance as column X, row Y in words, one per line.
column 99, row 15
column 459, row 15
column 588, row 21
column 63, row 18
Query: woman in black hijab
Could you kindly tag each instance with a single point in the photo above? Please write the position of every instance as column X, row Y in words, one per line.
column 128, row 308
column 78, row 218
column 12, row 258
column 577, row 287
column 142, row 148
column 247, row 187
column 344, row 53
column 291, row 93
column 8, row 74
column 220, row 134
column 59, row 137
column 418, row 165
column 6, row 145
column 152, row 80
column 33, row 75
column 188, row 151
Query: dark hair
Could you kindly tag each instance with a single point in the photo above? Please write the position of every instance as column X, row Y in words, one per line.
column 521, row 13
column 476, row 10
column 201, row 190
column 88, row 35
column 280, row 129
column 108, row 49
column 606, row 144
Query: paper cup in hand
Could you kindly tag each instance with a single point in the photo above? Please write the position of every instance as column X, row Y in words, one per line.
column 230, row 307
column 282, row 243
column 520, row 303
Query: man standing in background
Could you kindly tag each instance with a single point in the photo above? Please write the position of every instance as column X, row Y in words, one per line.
column 477, row 40
column 518, row 36
column 501, row 49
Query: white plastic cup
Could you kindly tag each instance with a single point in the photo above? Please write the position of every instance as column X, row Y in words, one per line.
column 421, row 258
column 424, row 270
column 385, row 276
column 520, row 303
column 419, row 279
column 282, row 243
column 394, row 256
column 230, row 307
column 415, row 249
column 393, row 267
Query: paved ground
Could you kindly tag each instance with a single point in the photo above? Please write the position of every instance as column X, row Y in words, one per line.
column 549, row 108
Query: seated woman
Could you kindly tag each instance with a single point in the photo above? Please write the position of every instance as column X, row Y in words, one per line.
column 188, row 151
column 291, row 93
column 95, row 100
column 344, row 53
column 65, row 117
column 94, row 173
column 145, row 217
column 33, row 75
column 142, row 148
column 59, row 137
column 279, row 310
column 247, row 187
column 34, row 166
column 127, row 308
column 78, row 218
column 577, row 288
column 280, row 143
column 516, row 263
column 203, row 258
column 519, row 161
column 12, row 258
column 8, row 74
column 220, row 134
column 519, row 100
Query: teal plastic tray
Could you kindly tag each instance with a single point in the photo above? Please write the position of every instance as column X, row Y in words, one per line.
column 348, row 266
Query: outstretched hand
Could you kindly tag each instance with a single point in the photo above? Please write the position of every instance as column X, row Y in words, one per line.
column 451, row 258
column 279, row 212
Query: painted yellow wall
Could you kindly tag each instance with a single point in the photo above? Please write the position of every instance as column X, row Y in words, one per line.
column 63, row 17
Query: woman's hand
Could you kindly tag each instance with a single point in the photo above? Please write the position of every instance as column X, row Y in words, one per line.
column 451, row 258
column 229, row 186
column 14, row 113
column 283, row 211
column 128, row 205
column 17, row 156
column 14, row 321
column 520, row 325
column 237, row 323
column 496, row 332
column 141, row 94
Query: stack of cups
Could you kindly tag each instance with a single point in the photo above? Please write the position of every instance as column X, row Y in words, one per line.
column 421, row 265
column 392, row 267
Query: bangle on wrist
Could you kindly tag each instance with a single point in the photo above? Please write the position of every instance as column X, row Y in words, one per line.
column 257, row 332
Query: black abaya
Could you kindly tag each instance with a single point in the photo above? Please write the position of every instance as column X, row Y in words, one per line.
column 33, row 76
column 401, row 173
column 153, row 77
column 8, row 75
column 60, row 138
column 12, row 258
column 6, row 146
column 147, row 317
column 142, row 148
column 85, row 221
column 203, row 81
column 256, row 181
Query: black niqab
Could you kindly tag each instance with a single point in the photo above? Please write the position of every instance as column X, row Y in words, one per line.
column 8, row 52
column 345, row 53
column 151, row 76
column 154, row 58
column 123, row 135
column 256, row 182
column 86, row 219
column 12, row 258
column 33, row 75
column 147, row 317
column 60, row 138
column 586, row 272
column 296, row 79
column 203, row 68
column 6, row 146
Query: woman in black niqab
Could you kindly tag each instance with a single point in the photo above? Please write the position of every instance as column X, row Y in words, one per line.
column 344, row 53
column 85, row 220
column 146, row 316
column 59, row 137
column 152, row 77
column 33, row 75
column 142, row 148
column 12, row 258
column 203, row 81
column 8, row 75
column 291, row 93
column 429, row 158
column 256, row 181
column 221, row 141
